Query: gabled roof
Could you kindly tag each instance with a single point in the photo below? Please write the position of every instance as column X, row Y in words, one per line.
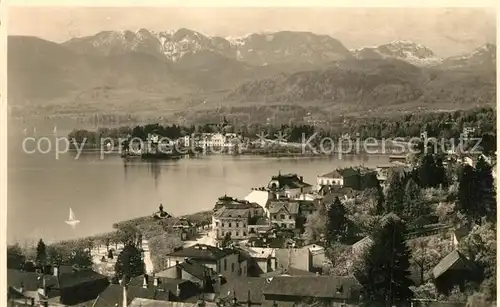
column 230, row 212
column 290, row 181
column 198, row 270
column 141, row 302
column 31, row 281
column 312, row 286
column 200, row 252
column 363, row 243
column 454, row 260
column 288, row 272
column 259, row 197
column 114, row 295
column 287, row 206
column 333, row 174
column 67, row 280
column 242, row 287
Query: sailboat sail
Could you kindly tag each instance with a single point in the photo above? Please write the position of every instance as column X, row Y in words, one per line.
column 72, row 221
column 71, row 215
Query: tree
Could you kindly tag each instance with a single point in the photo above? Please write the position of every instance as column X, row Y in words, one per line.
column 162, row 245
column 15, row 256
column 81, row 258
column 427, row 252
column 441, row 177
column 129, row 262
column 127, row 234
column 486, row 190
column 415, row 209
column 337, row 224
column 226, row 241
column 315, row 226
column 41, row 253
column 467, row 201
column 427, row 171
column 385, row 274
column 395, row 194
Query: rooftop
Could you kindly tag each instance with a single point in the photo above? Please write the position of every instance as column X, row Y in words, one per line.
column 142, row 302
column 290, row 181
column 242, row 288
column 288, row 206
column 197, row 270
column 453, row 260
column 312, row 286
column 113, row 295
column 226, row 212
column 200, row 252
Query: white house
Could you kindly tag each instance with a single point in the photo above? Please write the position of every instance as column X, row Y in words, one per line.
column 331, row 178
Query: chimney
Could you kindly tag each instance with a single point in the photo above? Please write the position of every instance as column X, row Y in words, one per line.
column 249, row 300
column 155, row 281
column 43, row 289
column 124, row 302
column 178, row 291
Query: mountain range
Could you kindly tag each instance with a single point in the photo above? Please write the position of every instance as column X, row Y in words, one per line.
column 282, row 67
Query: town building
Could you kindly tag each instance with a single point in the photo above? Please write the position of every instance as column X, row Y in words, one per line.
column 225, row 262
column 453, row 270
column 329, row 179
column 289, row 185
column 185, row 228
column 235, row 217
column 329, row 289
column 261, row 260
column 284, row 213
column 67, row 288
column 297, row 258
column 359, row 178
column 202, row 276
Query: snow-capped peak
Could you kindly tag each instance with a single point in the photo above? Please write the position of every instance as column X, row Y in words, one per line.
column 405, row 50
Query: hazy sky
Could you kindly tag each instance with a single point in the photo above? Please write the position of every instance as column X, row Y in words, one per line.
column 445, row 31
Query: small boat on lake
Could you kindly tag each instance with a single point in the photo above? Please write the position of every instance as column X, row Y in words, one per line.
column 72, row 221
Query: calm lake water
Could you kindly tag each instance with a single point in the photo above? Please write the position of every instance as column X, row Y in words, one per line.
column 41, row 188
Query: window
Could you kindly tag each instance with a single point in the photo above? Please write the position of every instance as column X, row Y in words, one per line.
column 237, row 225
column 237, row 233
column 282, row 216
column 232, row 267
column 289, row 217
column 229, row 224
column 244, row 233
column 225, row 264
column 216, row 224
column 222, row 233
column 222, row 225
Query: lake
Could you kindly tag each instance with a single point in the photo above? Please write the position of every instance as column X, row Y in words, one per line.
column 41, row 188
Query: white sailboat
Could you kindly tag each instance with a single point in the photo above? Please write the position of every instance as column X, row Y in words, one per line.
column 72, row 221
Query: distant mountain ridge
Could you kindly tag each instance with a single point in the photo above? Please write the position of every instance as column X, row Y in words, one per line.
column 115, row 66
column 255, row 49
column 408, row 51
